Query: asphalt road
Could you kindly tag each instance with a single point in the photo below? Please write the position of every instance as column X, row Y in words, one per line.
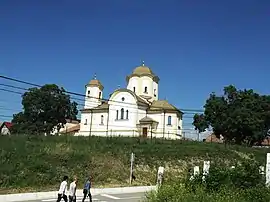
column 134, row 197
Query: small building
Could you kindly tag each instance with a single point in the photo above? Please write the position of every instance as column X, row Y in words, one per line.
column 5, row 128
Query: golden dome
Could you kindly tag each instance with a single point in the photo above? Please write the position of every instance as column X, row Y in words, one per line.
column 142, row 70
column 95, row 82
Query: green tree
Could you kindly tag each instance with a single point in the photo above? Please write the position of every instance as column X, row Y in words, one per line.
column 240, row 116
column 44, row 109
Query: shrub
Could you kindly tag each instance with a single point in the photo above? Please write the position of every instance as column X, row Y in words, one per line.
column 244, row 183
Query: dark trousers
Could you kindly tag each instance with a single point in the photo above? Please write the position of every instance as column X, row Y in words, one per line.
column 60, row 196
column 72, row 198
column 85, row 194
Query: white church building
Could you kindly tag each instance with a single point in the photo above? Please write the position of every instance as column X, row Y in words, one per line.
column 131, row 111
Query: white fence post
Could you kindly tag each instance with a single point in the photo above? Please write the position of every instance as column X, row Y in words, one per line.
column 206, row 167
column 267, row 170
column 160, row 176
column 196, row 170
column 131, row 167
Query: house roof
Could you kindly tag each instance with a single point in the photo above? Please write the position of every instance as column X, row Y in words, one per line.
column 71, row 129
column 7, row 124
column 163, row 105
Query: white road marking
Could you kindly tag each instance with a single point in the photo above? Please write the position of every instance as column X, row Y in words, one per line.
column 78, row 198
column 135, row 197
column 109, row 196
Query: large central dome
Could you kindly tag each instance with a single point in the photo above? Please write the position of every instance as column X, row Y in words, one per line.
column 142, row 70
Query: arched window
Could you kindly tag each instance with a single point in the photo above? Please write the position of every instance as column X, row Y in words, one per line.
column 85, row 123
column 99, row 95
column 102, row 120
column 88, row 92
column 127, row 114
column 134, row 89
column 122, row 113
column 155, row 94
column 169, row 120
column 117, row 112
column 145, row 89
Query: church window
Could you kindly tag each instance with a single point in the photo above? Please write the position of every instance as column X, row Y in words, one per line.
column 155, row 92
column 117, row 112
column 102, row 120
column 88, row 92
column 169, row 120
column 85, row 123
column 145, row 89
column 99, row 95
column 123, row 99
column 127, row 114
column 122, row 113
column 134, row 89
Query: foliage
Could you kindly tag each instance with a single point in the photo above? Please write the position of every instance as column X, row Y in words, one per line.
column 39, row 162
column 240, row 116
column 244, row 183
column 44, row 109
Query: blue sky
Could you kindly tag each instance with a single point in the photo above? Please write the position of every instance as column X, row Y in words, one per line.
column 196, row 47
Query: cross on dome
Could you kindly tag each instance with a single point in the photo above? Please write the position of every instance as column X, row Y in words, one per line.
column 143, row 63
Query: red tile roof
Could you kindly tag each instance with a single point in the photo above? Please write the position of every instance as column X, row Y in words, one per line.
column 8, row 124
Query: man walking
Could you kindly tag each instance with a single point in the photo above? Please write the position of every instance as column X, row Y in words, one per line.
column 72, row 190
column 62, row 190
column 86, row 190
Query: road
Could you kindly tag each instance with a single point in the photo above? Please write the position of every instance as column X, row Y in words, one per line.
column 134, row 197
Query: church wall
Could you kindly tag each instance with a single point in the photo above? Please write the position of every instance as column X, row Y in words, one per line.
column 85, row 123
column 133, row 82
column 155, row 86
column 165, row 130
column 146, row 81
column 127, row 126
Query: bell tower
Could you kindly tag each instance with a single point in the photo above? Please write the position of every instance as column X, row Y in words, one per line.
column 93, row 93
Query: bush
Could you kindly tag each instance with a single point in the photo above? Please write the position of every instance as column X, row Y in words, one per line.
column 244, row 183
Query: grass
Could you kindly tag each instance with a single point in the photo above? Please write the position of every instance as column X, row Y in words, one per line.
column 30, row 163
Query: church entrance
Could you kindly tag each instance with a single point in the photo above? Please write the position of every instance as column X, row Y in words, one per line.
column 144, row 132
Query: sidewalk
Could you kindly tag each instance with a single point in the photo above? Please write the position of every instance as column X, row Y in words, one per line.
column 53, row 194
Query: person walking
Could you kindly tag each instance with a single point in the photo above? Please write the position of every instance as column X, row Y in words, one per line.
column 86, row 189
column 72, row 190
column 62, row 190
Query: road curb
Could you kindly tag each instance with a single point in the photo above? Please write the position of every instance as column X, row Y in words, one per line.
column 53, row 194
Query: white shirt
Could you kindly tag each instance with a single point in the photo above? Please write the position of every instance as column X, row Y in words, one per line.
column 63, row 187
column 72, row 189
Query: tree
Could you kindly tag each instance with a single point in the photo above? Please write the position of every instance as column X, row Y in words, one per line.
column 240, row 116
column 44, row 109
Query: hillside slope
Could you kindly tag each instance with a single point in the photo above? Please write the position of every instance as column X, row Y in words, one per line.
column 34, row 163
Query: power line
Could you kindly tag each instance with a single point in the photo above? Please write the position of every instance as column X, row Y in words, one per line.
column 82, row 95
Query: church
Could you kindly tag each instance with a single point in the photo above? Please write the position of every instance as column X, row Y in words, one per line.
column 132, row 111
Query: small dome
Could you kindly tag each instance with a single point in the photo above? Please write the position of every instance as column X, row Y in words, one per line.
column 142, row 70
column 95, row 82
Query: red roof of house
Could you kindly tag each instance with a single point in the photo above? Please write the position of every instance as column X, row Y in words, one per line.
column 8, row 124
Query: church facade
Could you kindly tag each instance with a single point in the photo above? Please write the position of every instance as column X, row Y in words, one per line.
column 132, row 111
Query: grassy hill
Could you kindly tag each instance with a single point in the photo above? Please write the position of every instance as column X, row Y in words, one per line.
column 36, row 163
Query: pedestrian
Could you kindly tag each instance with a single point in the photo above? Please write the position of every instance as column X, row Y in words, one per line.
column 62, row 190
column 72, row 190
column 86, row 189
